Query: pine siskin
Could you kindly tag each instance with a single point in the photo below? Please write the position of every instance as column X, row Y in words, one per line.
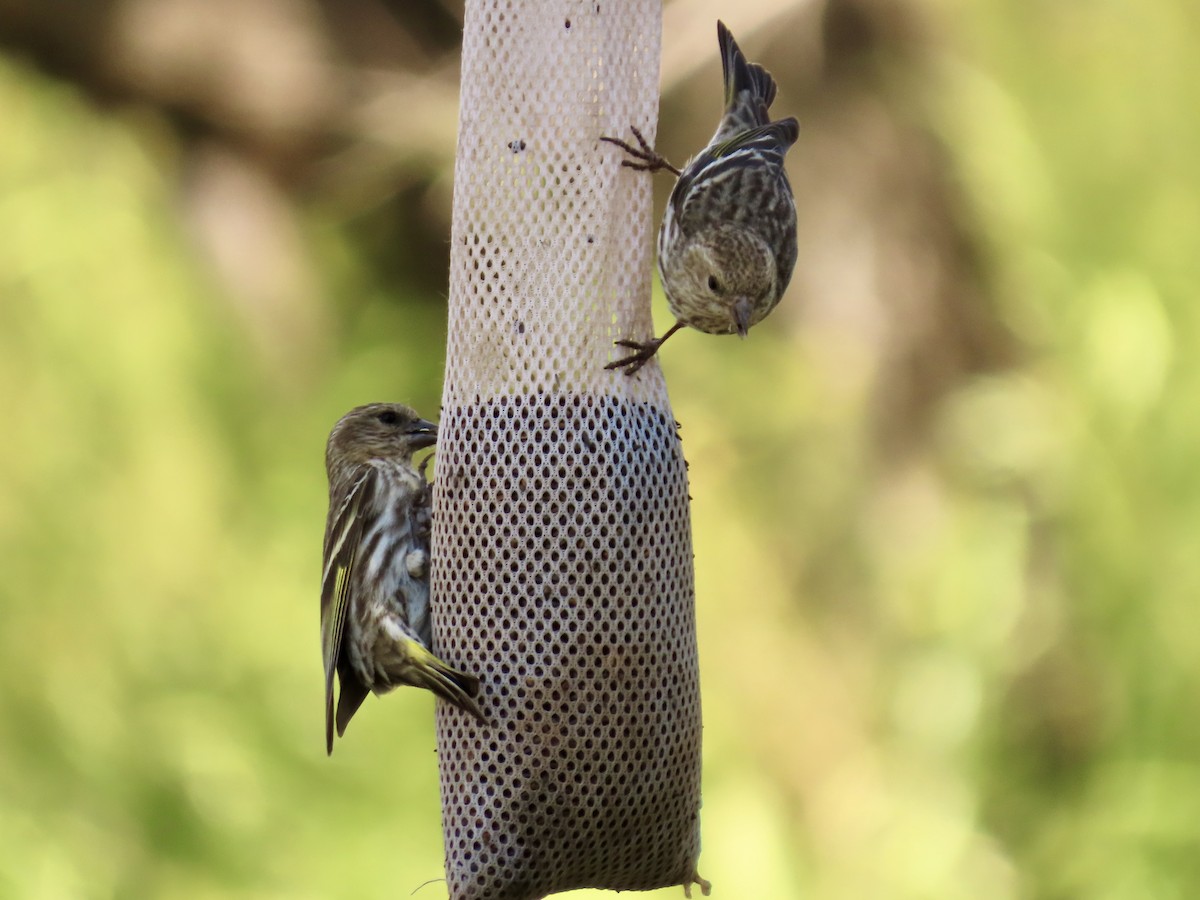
column 375, row 627
column 727, row 244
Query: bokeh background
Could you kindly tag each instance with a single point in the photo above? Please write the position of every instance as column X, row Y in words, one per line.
column 946, row 500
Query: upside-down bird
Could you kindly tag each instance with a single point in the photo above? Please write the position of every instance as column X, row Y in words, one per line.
column 727, row 244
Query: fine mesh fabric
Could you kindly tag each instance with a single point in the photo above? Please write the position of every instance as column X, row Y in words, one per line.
column 562, row 559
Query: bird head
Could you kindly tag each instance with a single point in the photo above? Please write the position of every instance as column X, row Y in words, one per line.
column 377, row 431
column 726, row 283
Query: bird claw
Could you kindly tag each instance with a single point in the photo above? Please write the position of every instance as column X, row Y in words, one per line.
column 648, row 159
column 645, row 351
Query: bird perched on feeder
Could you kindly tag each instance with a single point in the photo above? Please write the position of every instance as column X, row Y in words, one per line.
column 727, row 244
column 375, row 626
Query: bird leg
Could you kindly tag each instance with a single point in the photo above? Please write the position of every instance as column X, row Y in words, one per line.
column 649, row 160
column 645, row 351
column 423, row 466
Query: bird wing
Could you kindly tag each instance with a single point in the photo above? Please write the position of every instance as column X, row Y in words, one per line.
column 723, row 176
column 771, row 141
column 342, row 538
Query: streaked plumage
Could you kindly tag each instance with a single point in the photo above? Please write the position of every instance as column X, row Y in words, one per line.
column 727, row 244
column 375, row 627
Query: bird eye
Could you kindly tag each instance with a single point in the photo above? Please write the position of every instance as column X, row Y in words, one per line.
column 388, row 417
column 713, row 284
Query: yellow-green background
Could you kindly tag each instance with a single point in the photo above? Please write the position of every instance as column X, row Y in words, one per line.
column 973, row 672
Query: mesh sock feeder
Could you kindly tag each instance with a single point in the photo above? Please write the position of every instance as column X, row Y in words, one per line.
column 562, row 549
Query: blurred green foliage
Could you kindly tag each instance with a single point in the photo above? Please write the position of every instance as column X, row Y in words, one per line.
column 161, row 511
column 972, row 673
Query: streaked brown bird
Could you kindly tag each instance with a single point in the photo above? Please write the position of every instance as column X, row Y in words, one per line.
column 375, row 626
column 727, row 244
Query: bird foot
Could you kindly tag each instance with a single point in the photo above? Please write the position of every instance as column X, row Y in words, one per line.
column 645, row 351
column 645, row 157
column 421, row 469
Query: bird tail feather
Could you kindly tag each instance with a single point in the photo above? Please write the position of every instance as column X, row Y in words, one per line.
column 455, row 687
column 749, row 88
column 353, row 693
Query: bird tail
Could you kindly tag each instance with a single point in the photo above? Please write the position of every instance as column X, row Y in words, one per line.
column 453, row 686
column 350, row 697
column 749, row 88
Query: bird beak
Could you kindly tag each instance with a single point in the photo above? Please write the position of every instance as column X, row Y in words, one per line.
column 423, row 434
column 742, row 308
